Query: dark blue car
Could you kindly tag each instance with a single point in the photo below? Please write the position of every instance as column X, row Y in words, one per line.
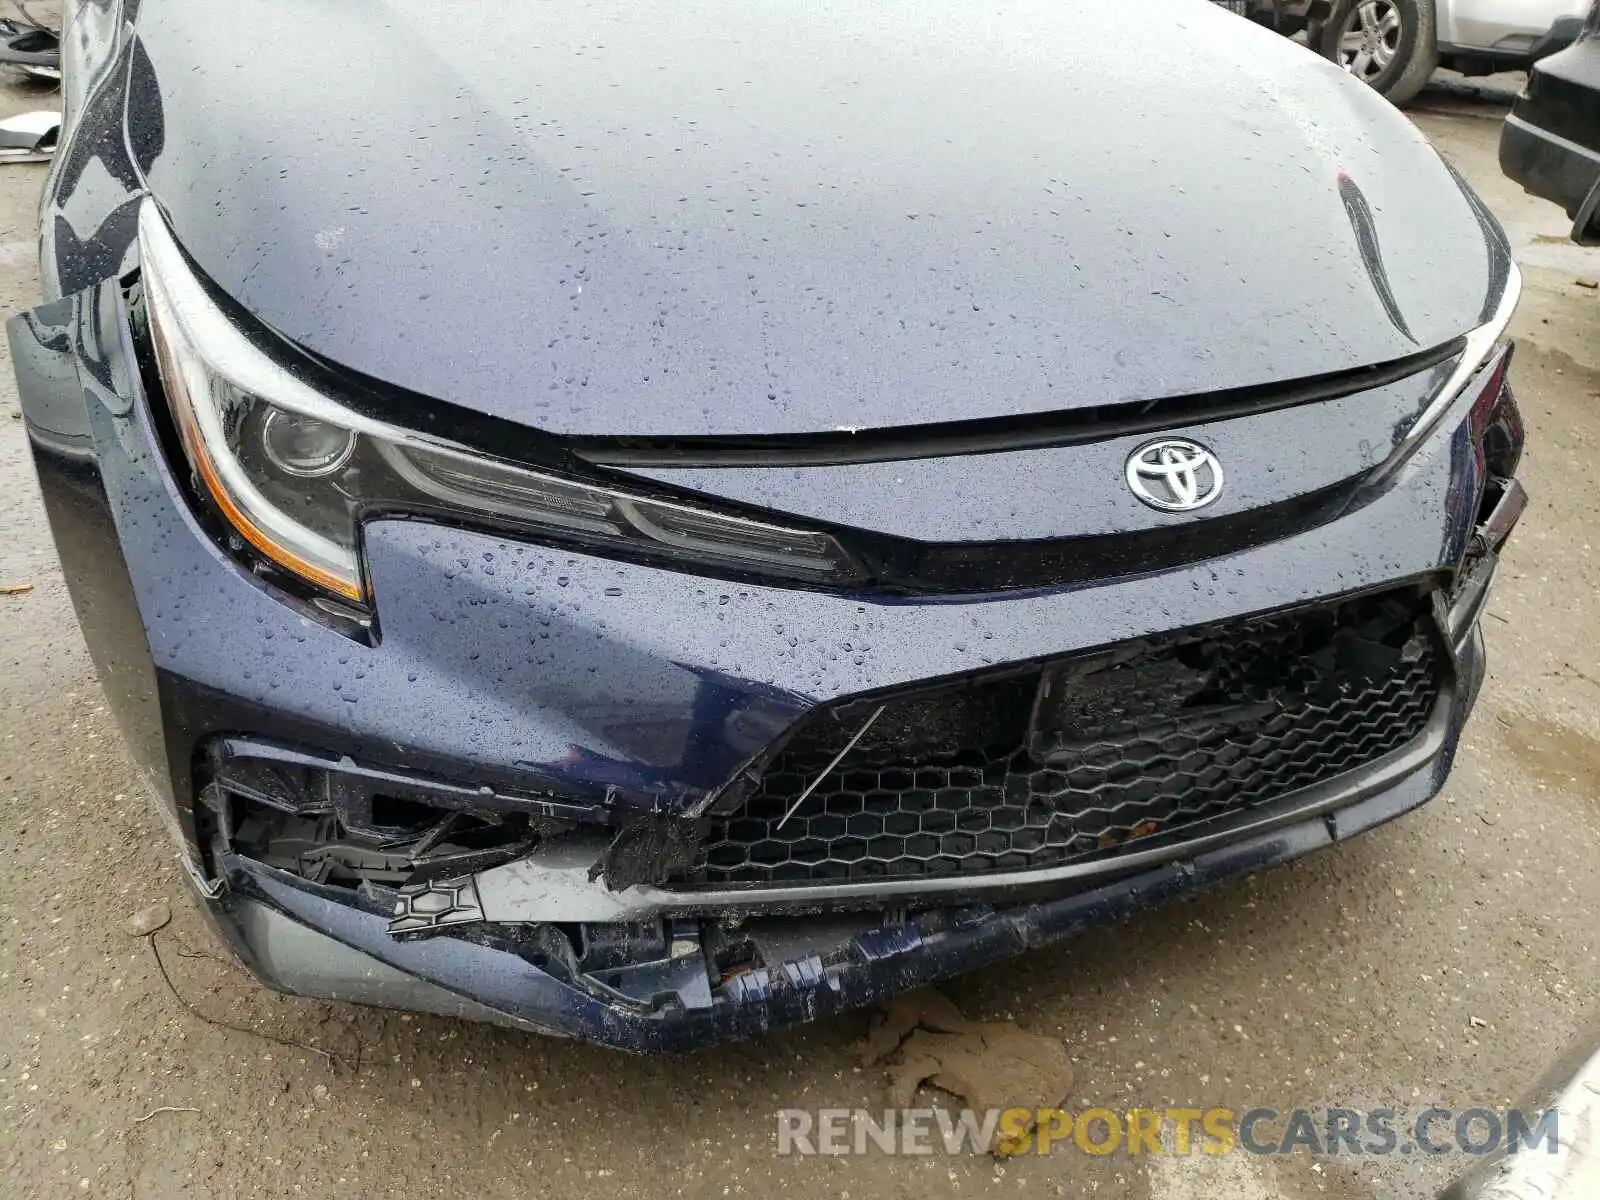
column 650, row 523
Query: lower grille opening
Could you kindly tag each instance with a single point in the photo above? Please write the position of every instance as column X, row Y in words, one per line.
column 334, row 823
column 1083, row 757
column 320, row 848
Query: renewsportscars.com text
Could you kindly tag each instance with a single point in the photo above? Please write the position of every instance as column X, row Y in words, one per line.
column 1178, row 1131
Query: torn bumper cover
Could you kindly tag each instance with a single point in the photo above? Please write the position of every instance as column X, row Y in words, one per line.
column 661, row 993
column 539, row 940
column 768, row 907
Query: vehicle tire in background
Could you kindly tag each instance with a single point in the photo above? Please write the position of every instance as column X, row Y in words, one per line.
column 1393, row 45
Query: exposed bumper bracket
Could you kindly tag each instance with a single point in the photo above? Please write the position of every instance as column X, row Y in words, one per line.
column 1472, row 591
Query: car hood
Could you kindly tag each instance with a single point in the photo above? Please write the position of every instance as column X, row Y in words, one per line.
column 742, row 217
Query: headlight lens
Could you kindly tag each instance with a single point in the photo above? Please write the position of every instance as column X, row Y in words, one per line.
column 304, row 446
column 292, row 471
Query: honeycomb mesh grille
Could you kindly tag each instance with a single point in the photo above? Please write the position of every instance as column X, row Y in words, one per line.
column 1077, row 759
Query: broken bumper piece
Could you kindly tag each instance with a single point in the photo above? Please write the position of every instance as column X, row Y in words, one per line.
column 641, row 977
column 313, row 944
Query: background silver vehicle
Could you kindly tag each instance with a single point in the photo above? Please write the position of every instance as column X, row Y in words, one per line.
column 1395, row 45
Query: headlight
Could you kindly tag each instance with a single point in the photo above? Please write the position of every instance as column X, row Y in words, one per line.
column 292, row 471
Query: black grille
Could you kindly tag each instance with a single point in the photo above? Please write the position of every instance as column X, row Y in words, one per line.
column 1077, row 758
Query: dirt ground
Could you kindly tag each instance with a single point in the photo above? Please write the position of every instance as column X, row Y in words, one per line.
column 1442, row 959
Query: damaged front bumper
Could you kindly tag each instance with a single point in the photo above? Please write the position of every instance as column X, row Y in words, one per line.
column 650, row 985
column 541, row 942
column 623, row 865
column 538, row 938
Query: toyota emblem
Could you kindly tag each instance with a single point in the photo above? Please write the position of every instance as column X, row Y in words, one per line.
column 1175, row 475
